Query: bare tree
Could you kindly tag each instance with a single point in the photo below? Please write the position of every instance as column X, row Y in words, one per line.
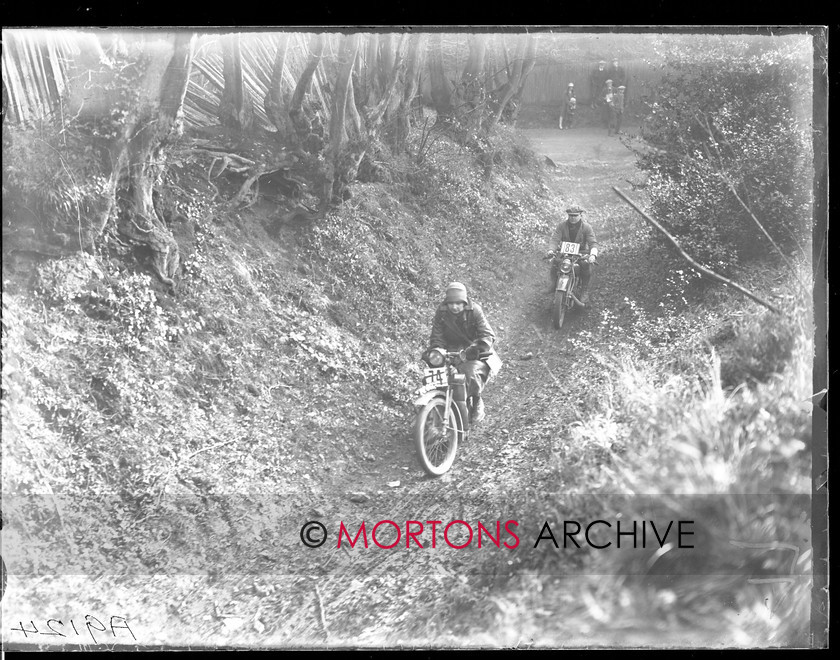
column 139, row 150
column 235, row 108
column 517, row 73
column 277, row 100
column 441, row 88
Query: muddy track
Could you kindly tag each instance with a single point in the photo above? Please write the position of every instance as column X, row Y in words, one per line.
column 285, row 594
column 336, row 590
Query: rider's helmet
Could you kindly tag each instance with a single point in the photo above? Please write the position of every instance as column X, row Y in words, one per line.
column 456, row 292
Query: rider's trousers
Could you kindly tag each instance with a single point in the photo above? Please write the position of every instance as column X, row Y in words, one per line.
column 477, row 373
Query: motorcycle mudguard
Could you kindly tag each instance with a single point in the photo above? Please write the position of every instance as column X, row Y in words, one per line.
column 461, row 416
column 563, row 283
column 424, row 398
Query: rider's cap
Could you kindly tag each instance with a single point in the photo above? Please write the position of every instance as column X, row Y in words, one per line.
column 609, row 80
column 622, row 87
column 456, row 292
column 571, row 85
column 602, row 61
column 574, row 210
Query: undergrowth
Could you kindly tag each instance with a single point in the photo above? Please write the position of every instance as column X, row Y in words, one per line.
column 282, row 354
column 702, row 416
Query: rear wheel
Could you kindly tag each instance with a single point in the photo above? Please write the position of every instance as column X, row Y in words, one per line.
column 436, row 437
column 558, row 311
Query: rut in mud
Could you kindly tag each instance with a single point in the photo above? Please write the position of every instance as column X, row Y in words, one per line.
column 411, row 596
column 512, row 468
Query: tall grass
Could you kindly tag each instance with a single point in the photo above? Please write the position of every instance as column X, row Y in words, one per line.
column 682, row 444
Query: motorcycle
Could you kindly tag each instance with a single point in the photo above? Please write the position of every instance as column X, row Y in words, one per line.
column 567, row 286
column 444, row 410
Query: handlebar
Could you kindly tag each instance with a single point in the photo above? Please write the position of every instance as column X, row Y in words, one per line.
column 451, row 356
column 555, row 254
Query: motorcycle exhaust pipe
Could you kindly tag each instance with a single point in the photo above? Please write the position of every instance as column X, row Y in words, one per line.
column 576, row 301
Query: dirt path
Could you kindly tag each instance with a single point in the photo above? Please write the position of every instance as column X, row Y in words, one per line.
column 409, row 596
column 509, row 453
column 291, row 595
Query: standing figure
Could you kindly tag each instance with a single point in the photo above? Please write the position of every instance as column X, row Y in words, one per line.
column 567, row 110
column 616, row 111
column 596, row 83
column 607, row 99
column 617, row 73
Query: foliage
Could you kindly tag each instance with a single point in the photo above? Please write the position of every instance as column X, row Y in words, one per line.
column 52, row 178
column 728, row 121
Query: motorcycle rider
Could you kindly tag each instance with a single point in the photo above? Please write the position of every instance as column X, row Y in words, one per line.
column 459, row 323
column 575, row 230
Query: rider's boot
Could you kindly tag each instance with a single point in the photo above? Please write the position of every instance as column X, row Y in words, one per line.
column 584, row 295
column 478, row 411
column 585, row 280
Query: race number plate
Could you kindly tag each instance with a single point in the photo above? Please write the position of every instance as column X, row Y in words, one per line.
column 435, row 377
column 420, row 391
column 569, row 248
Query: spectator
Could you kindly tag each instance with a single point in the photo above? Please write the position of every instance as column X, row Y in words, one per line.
column 616, row 111
column 607, row 99
column 567, row 110
column 617, row 74
column 596, row 83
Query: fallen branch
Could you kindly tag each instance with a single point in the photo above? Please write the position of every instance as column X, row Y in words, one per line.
column 244, row 189
column 705, row 272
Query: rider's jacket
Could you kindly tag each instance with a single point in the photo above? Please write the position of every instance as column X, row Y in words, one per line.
column 585, row 236
column 452, row 332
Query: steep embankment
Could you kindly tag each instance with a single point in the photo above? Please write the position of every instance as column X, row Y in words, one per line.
column 285, row 397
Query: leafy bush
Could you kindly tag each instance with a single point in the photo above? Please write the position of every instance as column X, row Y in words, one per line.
column 722, row 124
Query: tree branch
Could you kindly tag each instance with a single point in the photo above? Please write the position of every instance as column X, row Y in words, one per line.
column 706, row 272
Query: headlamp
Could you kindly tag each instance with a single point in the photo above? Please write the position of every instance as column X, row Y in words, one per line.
column 435, row 357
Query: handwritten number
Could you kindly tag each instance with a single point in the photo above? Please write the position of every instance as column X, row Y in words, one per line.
column 34, row 630
column 54, row 631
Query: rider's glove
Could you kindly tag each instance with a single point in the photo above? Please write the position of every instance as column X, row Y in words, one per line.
column 472, row 352
column 549, row 254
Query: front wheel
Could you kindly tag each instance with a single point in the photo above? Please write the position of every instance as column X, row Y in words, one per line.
column 558, row 310
column 436, row 437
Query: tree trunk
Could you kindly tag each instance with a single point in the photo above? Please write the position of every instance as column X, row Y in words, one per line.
column 509, row 89
column 338, row 135
column 440, row 86
column 388, row 72
column 470, row 91
column 527, row 67
column 299, row 120
column 276, row 101
column 140, row 152
column 402, row 115
column 235, row 108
